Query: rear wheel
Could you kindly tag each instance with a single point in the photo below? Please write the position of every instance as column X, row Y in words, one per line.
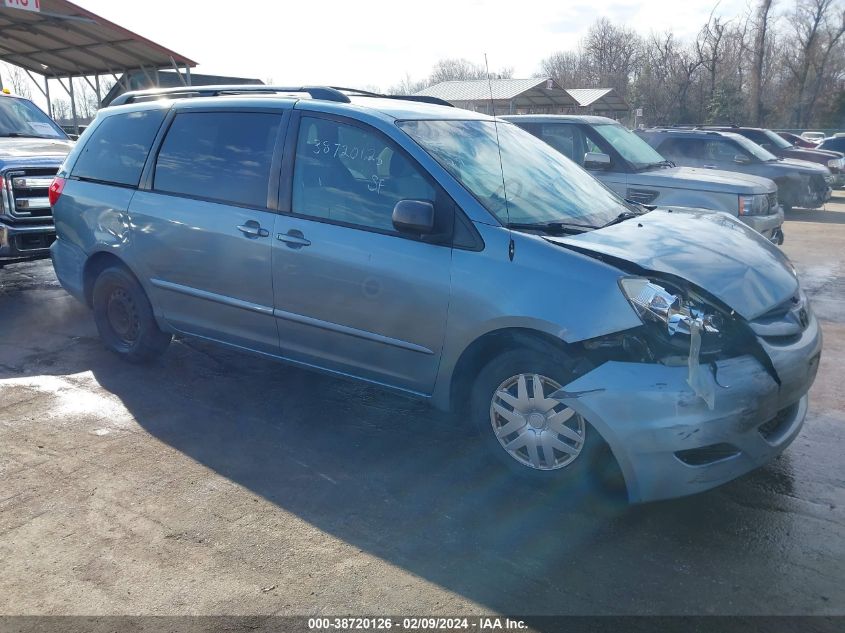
column 125, row 318
column 539, row 439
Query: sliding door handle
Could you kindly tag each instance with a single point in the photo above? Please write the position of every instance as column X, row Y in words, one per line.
column 253, row 229
column 294, row 239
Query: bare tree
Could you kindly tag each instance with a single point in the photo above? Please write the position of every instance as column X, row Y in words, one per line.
column 18, row 81
column 818, row 28
column 761, row 26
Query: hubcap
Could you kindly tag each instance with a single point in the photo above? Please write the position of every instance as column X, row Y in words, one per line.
column 535, row 430
column 123, row 316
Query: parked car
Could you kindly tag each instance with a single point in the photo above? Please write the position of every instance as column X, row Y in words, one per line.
column 448, row 256
column 813, row 136
column 800, row 184
column 774, row 143
column 32, row 147
column 798, row 141
column 634, row 170
column 834, row 143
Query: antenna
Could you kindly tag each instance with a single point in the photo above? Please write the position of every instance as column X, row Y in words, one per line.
column 499, row 148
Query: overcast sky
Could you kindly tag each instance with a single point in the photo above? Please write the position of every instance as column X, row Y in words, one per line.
column 376, row 42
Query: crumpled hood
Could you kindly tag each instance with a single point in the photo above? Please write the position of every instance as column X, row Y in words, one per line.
column 712, row 250
column 703, row 180
column 33, row 147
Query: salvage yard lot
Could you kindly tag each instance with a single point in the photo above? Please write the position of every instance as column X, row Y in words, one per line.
column 219, row 483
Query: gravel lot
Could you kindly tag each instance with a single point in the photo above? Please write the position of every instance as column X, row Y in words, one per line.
column 218, row 483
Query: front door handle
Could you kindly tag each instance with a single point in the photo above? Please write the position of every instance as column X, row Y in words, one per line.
column 710, row 166
column 251, row 228
column 293, row 239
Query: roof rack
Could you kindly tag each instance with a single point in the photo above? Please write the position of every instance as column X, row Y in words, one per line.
column 325, row 93
column 316, row 92
column 355, row 92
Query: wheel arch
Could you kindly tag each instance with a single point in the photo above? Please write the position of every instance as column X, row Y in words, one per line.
column 486, row 347
column 96, row 264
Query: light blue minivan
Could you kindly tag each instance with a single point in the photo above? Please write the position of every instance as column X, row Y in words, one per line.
column 449, row 256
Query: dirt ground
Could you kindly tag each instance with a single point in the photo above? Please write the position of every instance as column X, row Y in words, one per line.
column 218, row 483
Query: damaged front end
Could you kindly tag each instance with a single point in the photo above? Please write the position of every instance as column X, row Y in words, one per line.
column 698, row 394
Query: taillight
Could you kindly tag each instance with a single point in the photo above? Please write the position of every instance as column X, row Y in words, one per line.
column 55, row 190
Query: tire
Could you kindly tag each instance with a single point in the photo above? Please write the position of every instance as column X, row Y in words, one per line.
column 125, row 318
column 591, row 469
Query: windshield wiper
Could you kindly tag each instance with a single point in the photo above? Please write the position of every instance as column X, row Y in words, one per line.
column 552, row 227
column 662, row 163
column 625, row 215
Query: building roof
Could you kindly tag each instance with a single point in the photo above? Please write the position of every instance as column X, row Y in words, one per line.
column 62, row 39
column 533, row 91
column 598, row 98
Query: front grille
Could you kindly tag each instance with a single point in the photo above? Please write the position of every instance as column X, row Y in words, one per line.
column 26, row 192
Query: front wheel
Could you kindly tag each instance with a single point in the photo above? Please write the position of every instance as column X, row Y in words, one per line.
column 539, row 439
column 125, row 318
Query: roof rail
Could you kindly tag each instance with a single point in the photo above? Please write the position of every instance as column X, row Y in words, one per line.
column 183, row 92
column 355, row 92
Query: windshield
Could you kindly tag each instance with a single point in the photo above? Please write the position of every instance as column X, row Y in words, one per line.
column 777, row 141
column 19, row 117
column 542, row 185
column 632, row 148
column 752, row 148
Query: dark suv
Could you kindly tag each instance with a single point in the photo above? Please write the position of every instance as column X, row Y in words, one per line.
column 32, row 147
column 800, row 183
column 782, row 148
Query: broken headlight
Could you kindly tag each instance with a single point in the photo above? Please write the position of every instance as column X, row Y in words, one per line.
column 677, row 313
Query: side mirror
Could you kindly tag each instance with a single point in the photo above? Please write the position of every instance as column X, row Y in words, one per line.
column 596, row 160
column 740, row 159
column 414, row 216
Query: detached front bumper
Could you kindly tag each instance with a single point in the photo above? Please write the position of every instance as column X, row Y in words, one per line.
column 22, row 242
column 669, row 443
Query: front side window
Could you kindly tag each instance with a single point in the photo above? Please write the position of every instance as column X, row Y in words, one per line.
column 22, row 118
column 117, row 149
column 722, row 151
column 630, row 146
column 540, row 184
column 752, row 149
column 347, row 174
column 221, row 156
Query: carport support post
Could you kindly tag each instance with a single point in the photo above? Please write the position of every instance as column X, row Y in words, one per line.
column 47, row 94
column 73, row 107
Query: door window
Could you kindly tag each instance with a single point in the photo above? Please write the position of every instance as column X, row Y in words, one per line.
column 221, row 156
column 722, row 151
column 118, row 147
column 564, row 138
column 351, row 175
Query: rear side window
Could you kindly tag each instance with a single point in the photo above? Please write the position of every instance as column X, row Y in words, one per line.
column 222, row 156
column 117, row 149
column 679, row 148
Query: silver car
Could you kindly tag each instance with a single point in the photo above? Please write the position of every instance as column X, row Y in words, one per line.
column 633, row 169
column 447, row 256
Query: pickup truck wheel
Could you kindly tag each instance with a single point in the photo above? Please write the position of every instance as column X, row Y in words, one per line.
column 125, row 319
column 540, row 440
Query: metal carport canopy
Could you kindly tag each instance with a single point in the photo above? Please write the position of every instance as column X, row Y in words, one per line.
column 62, row 39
